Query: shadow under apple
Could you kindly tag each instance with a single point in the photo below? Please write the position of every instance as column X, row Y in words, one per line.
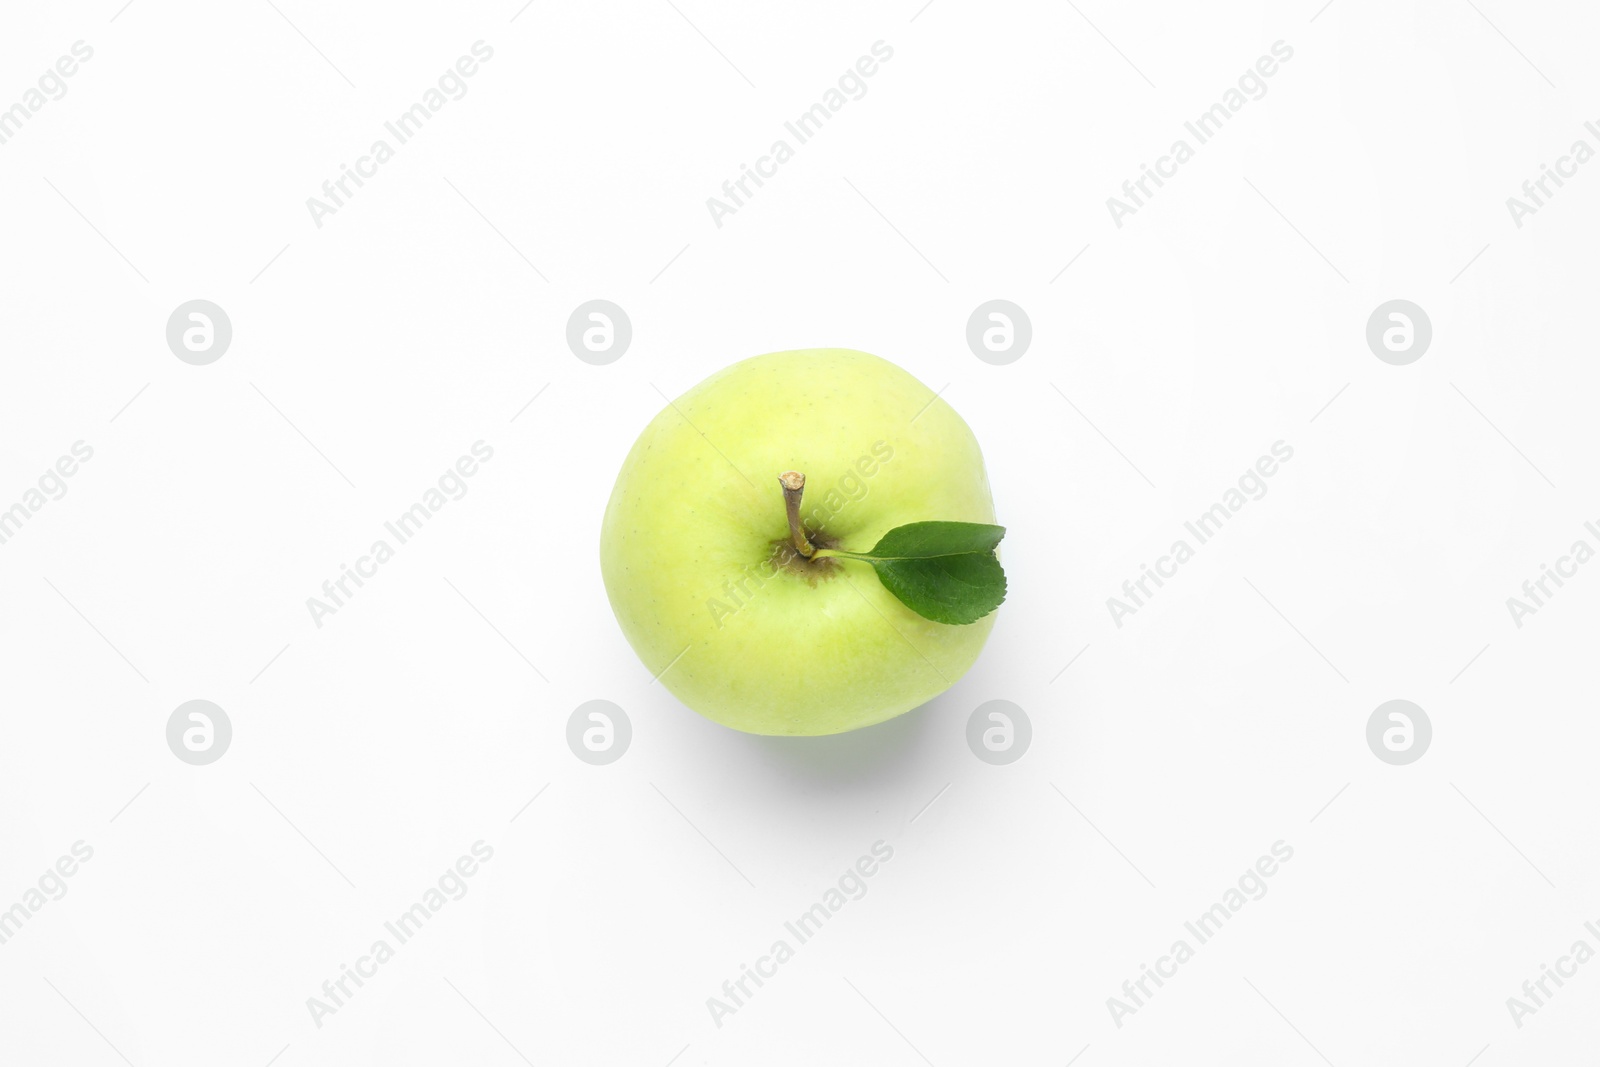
column 896, row 749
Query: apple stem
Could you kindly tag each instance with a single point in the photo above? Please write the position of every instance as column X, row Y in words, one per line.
column 794, row 486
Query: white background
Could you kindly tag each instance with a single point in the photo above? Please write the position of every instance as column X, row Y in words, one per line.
column 370, row 753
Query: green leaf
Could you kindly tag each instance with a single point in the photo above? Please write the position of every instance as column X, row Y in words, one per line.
column 944, row 571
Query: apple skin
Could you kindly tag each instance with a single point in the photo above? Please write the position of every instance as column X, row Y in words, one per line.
column 688, row 538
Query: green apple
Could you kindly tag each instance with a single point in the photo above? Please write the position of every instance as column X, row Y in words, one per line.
column 705, row 571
